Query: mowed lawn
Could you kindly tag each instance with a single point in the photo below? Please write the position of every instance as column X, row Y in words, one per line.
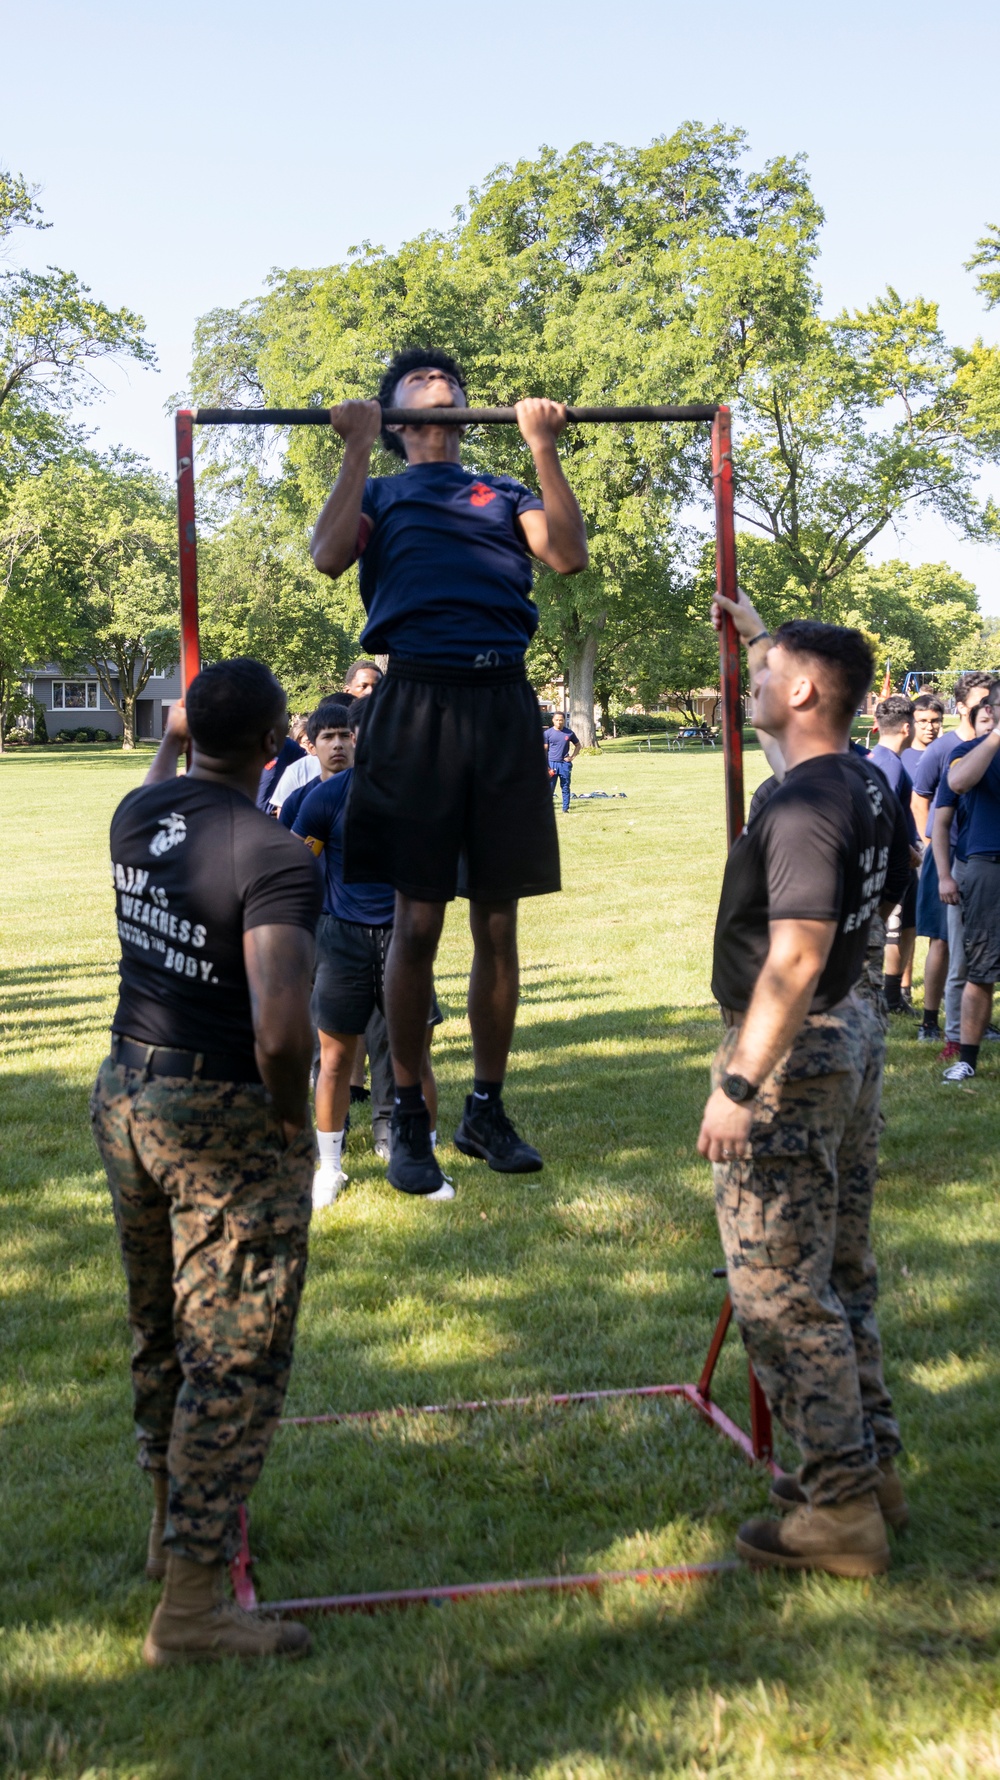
column 598, row 1272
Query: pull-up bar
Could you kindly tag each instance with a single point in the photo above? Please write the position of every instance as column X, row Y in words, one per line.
column 725, row 531
column 445, row 416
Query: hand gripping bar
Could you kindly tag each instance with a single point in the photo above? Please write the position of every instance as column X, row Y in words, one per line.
column 445, row 416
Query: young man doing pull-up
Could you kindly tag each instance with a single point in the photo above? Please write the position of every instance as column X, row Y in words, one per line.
column 451, row 792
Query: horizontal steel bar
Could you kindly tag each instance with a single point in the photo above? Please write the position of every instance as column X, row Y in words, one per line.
column 591, row 1583
column 447, row 416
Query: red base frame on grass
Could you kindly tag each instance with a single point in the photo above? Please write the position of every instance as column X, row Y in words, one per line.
column 755, row 1446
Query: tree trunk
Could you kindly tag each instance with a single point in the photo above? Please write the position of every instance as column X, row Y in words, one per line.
column 581, row 658
column 128, row 722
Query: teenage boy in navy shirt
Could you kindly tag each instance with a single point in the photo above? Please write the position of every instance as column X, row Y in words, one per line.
column 928, row 718
column 974, row 775
column 450, row 792
column 352, row 944
column 894, row 717
column 333, row 746
column 561, row 748
column 933, row 917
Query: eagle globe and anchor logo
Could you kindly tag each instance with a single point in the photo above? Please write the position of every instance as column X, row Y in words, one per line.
column 173, row 830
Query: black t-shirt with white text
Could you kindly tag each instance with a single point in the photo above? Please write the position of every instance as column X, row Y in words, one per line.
column 829, row 844
column 195, row 866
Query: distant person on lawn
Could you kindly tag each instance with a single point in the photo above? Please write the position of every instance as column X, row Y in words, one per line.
column 974, row 773
column 562, row 748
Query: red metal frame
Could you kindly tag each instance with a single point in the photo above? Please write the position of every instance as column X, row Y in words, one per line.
column 729, row 644
column 755, row 1446
column 188, row 538
column 758, row 1444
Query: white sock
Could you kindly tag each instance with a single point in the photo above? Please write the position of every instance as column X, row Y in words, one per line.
column 434, row 1139
column 330, row 1144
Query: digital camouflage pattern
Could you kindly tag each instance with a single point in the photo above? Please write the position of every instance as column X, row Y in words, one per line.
column 795, row 1218
column 212, row 1210
column 871, row 984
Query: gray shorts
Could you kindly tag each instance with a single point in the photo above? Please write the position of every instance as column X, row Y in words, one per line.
column 980, row 890
column 350, row 976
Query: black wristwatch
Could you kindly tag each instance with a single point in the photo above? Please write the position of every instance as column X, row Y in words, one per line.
column 738, row 1088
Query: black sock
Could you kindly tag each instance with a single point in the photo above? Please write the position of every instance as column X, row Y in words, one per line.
column 359, row 1094
column 894, row 989
column 486, row 1090
column 930, row 1019
column 968, row 1054
column 410, row 1100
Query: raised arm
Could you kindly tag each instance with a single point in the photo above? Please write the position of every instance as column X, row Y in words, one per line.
column 335, row 535
column 557, row 535
column 279, row 966
column 969, row 768
column 176, row 737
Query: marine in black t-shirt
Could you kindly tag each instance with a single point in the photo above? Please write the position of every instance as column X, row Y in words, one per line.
column 828, row 844
column 195, row 865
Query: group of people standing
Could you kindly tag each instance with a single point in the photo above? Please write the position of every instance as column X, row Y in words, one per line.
column 431, row 785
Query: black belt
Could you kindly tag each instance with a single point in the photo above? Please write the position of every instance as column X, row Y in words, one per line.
column 200, row 1066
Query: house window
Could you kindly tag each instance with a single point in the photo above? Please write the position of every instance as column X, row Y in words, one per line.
column 163, row 673
column 74, row 695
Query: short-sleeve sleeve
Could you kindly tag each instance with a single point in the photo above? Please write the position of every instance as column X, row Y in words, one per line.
column 525, row 499
column 279, row 880
column 313, row 819
column 804, row 860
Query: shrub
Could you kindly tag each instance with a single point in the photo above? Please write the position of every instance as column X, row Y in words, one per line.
column 41, row 727
column 83, row 735
column 101, row 735
column 629, row 723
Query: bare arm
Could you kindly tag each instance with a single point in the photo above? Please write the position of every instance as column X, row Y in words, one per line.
column 176, row 738
column 941, row 845
column 279, row 964
column 796, row 956
column 967, row 771
column 335, row 535
column 921, row 807
column 557, row 535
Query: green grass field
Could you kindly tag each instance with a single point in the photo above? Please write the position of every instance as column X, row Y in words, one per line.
column 597, row 1272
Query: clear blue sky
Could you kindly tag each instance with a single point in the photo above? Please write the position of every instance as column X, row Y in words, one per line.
column 183, row 151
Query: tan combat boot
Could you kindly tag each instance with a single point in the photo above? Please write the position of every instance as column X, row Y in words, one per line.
column 195, row 1623
column 787, row 1492
column 847, row 1539
column 156, row 1557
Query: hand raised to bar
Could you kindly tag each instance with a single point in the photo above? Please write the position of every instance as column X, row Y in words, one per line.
column 540, row 420
column 358, row 423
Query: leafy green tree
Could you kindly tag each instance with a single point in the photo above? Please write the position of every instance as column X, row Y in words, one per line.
column 258, row 596
column 628, row 275
column 38, row 615
column 103, row 557
column 603, row 274
column 53, row 335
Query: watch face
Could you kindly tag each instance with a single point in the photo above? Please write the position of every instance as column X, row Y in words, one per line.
column 737, row 1087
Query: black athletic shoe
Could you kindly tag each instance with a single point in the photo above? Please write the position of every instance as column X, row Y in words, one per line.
column 487, row 1132
column 412, row 1164
column 904, row 1011
column 358, row 1095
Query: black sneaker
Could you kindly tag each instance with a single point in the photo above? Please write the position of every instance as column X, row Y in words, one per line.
column 903, row 1010
column 412, row 1164
column 487, row 1132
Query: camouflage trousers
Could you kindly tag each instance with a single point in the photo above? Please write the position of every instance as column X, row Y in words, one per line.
column 871, row 985
column 795, row 1220
column 212, row 1209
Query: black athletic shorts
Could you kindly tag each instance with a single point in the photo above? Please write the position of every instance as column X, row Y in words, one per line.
column 451, row 794
column 350, row 976
column 980, row 891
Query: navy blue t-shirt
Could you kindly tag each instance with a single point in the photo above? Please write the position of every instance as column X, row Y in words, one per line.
column 558, row 742
column 287, row 753
column 979, row 808
column 445, row 572
column 892, row 768
column 293, row 803
column 320, row 823
column 933, row 762
column 947, row 799
column 912, row 758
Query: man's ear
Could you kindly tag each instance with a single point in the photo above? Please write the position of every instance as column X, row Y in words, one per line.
column 803, row 693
